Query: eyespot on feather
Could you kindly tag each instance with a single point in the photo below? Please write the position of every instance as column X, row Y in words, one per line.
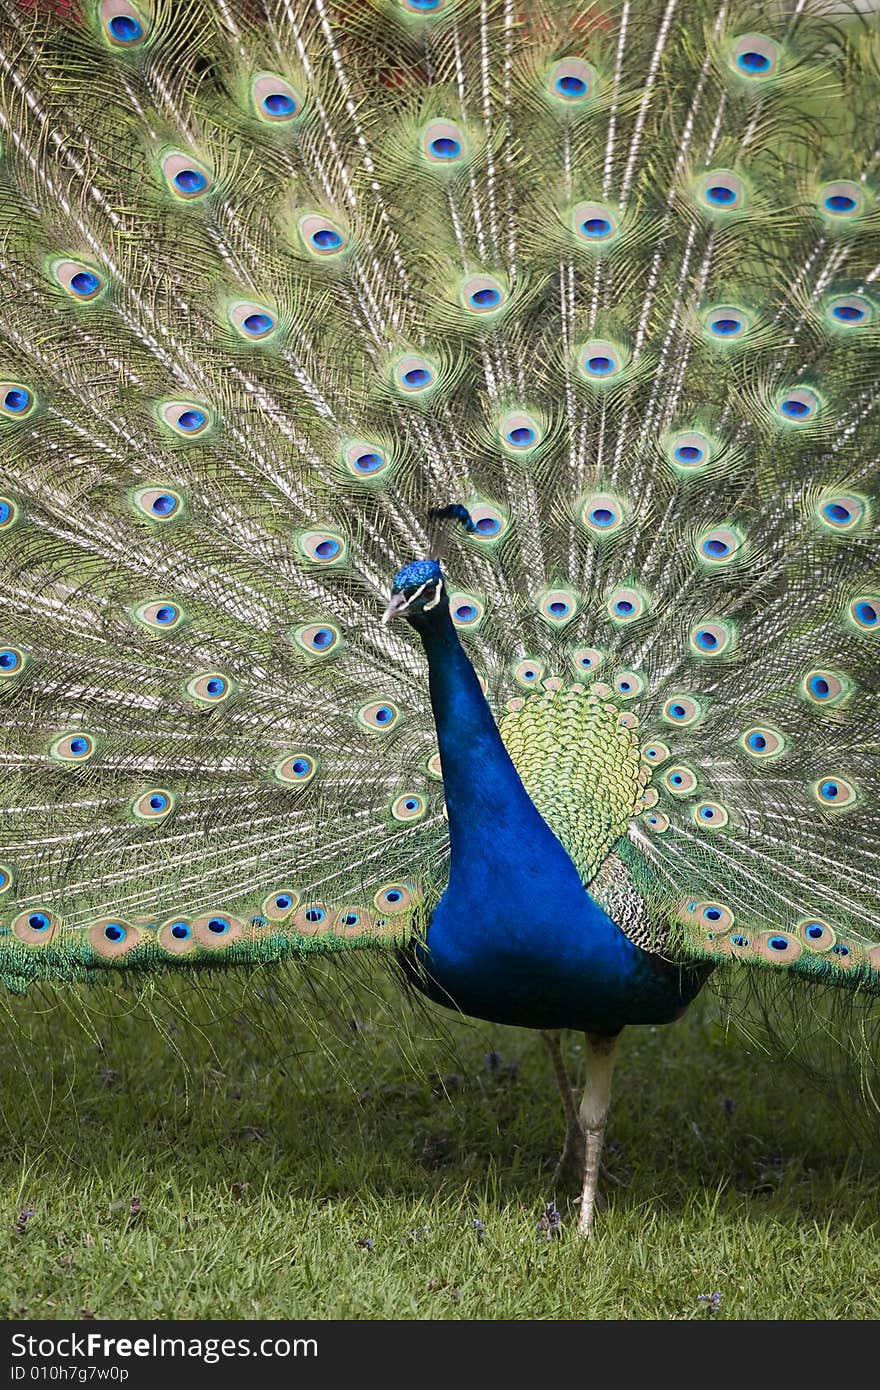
column 834, row 793
column 297, row 769
column 280, row 903
column 558, row 606
column 483, row 295
column 12, row 662
column 797, row 406
column 594, row 224
column 626, row 605
column 656, row 821
column 711, row 638
column 7, row 878
column 571, row 82
column 77, row 747
column 321, row 237
column 823, row 687
column 123, row 25
column 489, row 521
column 154, row 805
column 186, row 177
column 519, row 432
column 762, row 742
column 414, row 375
column 603, row 514
column 322, row 547
column 682, row 710
column 754, row 57
column 816, row 934
column 628, row 684
column 160, row 615
column 467, row 610
column 209, row 688
column 778, row 947
column 275, row 100
column 586, row 659
column 17, row 401
column 689, row 451
column 365, row 461
column 655, row 753
column 216, row 930
column 721, row 192
column 177, row 937
column 841, row 512
column 187, row 419
column 841, row 201
column 35, row 927
column 112, row 938
column 710, row 815
column 864, row 612
column 312, row 918
column 443, row 145
column 379, row 715
column 253, row 322
column 529, row 672
column 158, row 503
column 409, row 807
column 600, row 362
column 318, row 639
column 82, row 282
column 679, row 780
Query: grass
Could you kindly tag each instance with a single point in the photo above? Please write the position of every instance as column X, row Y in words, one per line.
column 205, row 1155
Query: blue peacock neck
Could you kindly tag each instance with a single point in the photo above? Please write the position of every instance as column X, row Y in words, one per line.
column 516, row 938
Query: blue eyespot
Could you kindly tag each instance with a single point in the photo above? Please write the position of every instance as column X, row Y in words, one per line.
column 258, row 324
column 796, row 409
column 218, row 926
column 829, row 791
column 558, row 608
column 707, row 813
column 814, row 931
column 521, row 436
column 624, row 606
column 716, row 547
column 410, row 804
column 368, row 463
column 485, row 298
column 315, row 914
column 757, row 741
column 383, row 714
column 597, row 227
column 840, row 949
column 689, row 453
column 181, row 931
column 848, row 313
column 166, row 614
column 283, row 901
column 158, row 802
column 600, row 366
column 125, row 28
column 17, row 399
column 753, row 62
column 570, row 86
column 706, row 639
column 740, row 940
column 5, row 512
column 602, row 516
column 417, row 376
column 78, row 746
column 726, row 327
column 840, row 202
column 865, row 613
column 326, row 239
column 327, row 549
column 301, row 766
column 677, row 712
column 836, row 511
column 393, row 895
column 191, row 420
column 778, row 943
column 676, row 778
column 465, row 612
column 84, row 283
column 349, row 919
column 38, row 921
column 215, row 686
column 819, row 687
column 114, row 932
column 9, row 660
column 322, row 638
column 713, row 914
column 164, row 504
column 721, row 195
column 488, row 526
column 190, row 180
column 279, row 104
column 444, row 147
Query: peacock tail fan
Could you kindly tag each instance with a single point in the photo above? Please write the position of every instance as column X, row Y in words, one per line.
column 280, row 278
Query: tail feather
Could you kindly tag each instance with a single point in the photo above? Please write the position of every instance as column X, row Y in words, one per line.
column 282, row 278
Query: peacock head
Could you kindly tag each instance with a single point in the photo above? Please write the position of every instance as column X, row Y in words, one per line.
column 417, row 589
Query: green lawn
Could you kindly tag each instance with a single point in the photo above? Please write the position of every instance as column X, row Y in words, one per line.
column 205, row 1154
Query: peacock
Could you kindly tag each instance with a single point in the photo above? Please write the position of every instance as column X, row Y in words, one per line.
column 438, row 464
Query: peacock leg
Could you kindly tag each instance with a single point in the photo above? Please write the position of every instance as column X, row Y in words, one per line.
column 593, row 1113
column 569, row 1169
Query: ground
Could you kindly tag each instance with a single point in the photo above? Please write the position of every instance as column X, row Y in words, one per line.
column 207, row 1154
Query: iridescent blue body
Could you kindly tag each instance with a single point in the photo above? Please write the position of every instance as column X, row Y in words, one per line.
column 516, row 938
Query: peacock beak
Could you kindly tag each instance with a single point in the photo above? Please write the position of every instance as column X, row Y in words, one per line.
column 398, row 604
